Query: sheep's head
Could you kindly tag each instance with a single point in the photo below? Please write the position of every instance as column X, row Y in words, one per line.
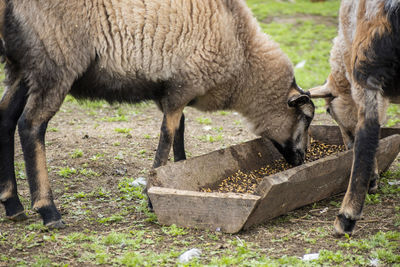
column 301, row 109
column 340, row 106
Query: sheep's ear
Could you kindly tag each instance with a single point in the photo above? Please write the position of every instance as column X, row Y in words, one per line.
column 298, row 100
column 320, row 91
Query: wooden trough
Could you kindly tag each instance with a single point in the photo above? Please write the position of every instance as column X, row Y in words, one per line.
column 174, row 188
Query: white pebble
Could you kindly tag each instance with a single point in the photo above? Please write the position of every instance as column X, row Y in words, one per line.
column 189, row 255
column 300, row 65
column 310, row 257
column 374, row 262
column 141, row 181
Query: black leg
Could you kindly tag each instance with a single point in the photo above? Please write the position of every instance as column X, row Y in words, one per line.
column 171, row 123
column 164, row 145
column 11, row 107
column 179, row 143
column 39, row 109
column 171, row 127
column 365, row 146
column 32, row 141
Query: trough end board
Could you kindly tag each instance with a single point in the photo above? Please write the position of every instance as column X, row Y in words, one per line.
column 227, row 212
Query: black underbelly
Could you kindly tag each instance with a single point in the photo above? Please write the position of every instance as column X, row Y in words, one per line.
column 100, row 85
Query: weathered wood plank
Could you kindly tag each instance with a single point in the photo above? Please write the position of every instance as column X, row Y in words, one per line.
column 227, row 211
column 385, row 132
column 300, row 186
column 326, row 133
column 388, row 150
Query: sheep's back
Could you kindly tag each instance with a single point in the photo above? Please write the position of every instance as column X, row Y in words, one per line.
column 158, row 38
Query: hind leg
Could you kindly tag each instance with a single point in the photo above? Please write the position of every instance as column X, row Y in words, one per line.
column 169, row 129
column 40, row 108
column 11, row 107
column 179, row 141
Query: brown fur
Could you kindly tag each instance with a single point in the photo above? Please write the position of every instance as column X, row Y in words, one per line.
column 173, row 120
column 367, row 29
column 344, row 58
column 41, row 197
column 237, row 62
column 357, row 105
column 210, row 53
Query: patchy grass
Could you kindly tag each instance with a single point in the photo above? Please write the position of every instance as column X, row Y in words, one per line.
column 307, row 42
column 123, row 130
column 109, row 223
column 393, row 115
column 265, row 8
column 78, row 153
column 66, row 172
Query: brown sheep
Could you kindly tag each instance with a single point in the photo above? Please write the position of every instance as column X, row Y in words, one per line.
column 210, row 54
column 364, row 78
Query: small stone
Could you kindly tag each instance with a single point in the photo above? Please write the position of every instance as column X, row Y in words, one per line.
column 324, row 210
column 141, row 181
column 301, row 64
column 189, row 255
column 121, row 171
column 309, row 257
column 374, row 262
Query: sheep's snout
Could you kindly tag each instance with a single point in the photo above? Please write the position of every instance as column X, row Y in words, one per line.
column 294, row 156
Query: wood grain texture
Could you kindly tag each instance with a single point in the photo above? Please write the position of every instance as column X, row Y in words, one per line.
column 227, row 212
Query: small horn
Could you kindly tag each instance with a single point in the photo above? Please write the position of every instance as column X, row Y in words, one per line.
column 320, row 92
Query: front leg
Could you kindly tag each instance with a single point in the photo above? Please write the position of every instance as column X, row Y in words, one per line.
column 365, row 146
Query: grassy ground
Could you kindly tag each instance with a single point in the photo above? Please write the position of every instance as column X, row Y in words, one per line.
column 95, row 151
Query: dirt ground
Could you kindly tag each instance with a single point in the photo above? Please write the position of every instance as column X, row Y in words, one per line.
column 113, row 155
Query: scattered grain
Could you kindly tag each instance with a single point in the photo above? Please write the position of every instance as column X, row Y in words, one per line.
column 246, row 182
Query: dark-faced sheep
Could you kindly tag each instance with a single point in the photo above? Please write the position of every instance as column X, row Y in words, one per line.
column 364, row 78
column 210, row 54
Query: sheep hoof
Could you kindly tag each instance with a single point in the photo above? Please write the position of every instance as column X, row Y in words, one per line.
column 18, row 217
column 344, row 225
column 373, row 186
column 59, row 224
